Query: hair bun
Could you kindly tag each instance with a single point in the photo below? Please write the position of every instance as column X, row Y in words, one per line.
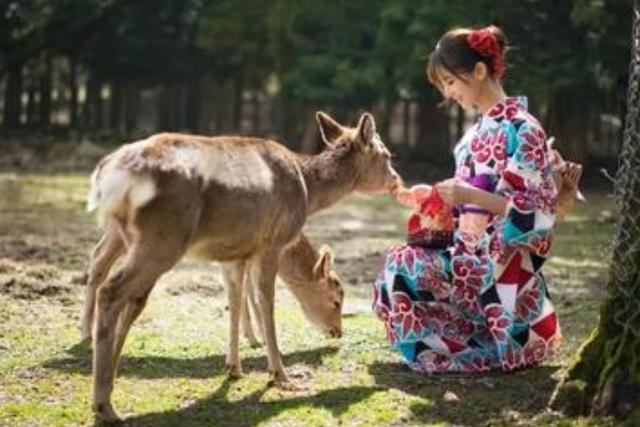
column 490, row 43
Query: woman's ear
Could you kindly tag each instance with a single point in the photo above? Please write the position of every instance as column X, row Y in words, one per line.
column 480, row 71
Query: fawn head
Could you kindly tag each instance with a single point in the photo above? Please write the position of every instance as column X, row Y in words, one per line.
column 323, row 304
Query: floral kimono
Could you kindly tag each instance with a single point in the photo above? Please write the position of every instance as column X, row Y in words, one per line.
column 482, row 303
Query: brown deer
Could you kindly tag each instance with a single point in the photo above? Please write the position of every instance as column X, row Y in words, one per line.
column 239, row 201
column 308, row 274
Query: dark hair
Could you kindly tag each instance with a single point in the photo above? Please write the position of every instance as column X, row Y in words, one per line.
column 460, row 49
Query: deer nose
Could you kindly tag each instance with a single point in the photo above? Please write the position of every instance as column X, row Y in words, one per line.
column 396, row 181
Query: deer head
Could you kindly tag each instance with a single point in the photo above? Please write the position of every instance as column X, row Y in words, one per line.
column 372, row 159
column 322, row 295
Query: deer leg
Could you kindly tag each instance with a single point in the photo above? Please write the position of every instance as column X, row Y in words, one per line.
column 247, row 325
column 233, row 276
column 263, row 274
column 106, row 252
column 121, row 297
column 129, row 314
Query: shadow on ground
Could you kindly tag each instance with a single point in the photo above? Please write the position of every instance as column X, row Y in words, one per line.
column 217, row 410
column 469, row 399
column 151, row 367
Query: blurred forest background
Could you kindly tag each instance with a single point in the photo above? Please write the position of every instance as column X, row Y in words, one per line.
column 114, row 70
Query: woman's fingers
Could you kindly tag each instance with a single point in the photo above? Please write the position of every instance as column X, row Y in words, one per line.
column 571, row 174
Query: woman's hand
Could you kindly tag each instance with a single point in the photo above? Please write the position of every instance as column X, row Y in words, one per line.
column 413, row 196
column 567, row 180
column 453, row 191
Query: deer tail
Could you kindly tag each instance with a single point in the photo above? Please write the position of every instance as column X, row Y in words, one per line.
column 115, row 189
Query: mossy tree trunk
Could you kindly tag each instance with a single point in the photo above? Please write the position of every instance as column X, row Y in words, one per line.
column 605, row 379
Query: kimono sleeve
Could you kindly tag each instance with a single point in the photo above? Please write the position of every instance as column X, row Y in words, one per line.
column 527, row 182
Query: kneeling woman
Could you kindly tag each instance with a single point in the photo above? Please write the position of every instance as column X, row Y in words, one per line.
column 481, row 302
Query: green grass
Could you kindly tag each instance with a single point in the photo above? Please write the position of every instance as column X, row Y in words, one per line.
column 172, row 370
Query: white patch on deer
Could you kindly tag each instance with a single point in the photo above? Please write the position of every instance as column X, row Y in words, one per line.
column 232, row 168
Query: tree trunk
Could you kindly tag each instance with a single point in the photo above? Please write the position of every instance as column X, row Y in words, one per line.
column 605, row 380
column 238, row 90
column 92, row 114
column 255, row 112
column 433, row 131
column 406, row 123
column 45, row 92
column 131, row 108
column 194, row 105
column 115, row 107
column 73, row 93
column 568, row 121
column 13, row 97
column 311, row 136
column 31, row 106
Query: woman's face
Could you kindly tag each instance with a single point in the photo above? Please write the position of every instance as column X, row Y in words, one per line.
column 465, row 92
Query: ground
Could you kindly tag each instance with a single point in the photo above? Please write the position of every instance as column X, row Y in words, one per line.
column 172, row 371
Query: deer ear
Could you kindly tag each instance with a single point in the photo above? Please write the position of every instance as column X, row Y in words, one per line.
column 330, row 130
column 366, row 128
column 323, row 266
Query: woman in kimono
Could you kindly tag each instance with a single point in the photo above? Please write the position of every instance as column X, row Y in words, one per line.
column 480, row 303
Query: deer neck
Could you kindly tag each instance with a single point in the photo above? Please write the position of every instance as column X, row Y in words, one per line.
column 329, row 176
column 296, row 263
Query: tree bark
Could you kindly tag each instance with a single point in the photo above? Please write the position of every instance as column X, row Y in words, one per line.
column 194, row 105
column 31, row 106
column 568, row 121
column 13, row 97
column 115, row 107
column 311, row 136
column 73, row 93
column 238, row 90
column 131, row 107
column 406, row 123
column 93, row 108
column 255, row 112
column 433, row 131
column 45, row 92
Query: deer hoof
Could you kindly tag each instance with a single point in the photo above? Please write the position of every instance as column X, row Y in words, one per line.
column 105, row 413
column 234, row 370
column 280, row 380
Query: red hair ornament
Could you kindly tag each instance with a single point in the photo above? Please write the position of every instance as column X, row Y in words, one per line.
column 485, row 42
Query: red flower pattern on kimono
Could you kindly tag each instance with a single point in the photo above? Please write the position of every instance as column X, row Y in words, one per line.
column 528, row 303
column 477, row 363
column 434, row 362
column 535, row 351
column 513, row 359
column 534, row 147
column 497, row 322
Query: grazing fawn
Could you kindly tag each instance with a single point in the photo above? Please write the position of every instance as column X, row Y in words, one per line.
column 310, row 277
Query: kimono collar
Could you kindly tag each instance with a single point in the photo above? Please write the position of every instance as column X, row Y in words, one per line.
column 507, row 108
